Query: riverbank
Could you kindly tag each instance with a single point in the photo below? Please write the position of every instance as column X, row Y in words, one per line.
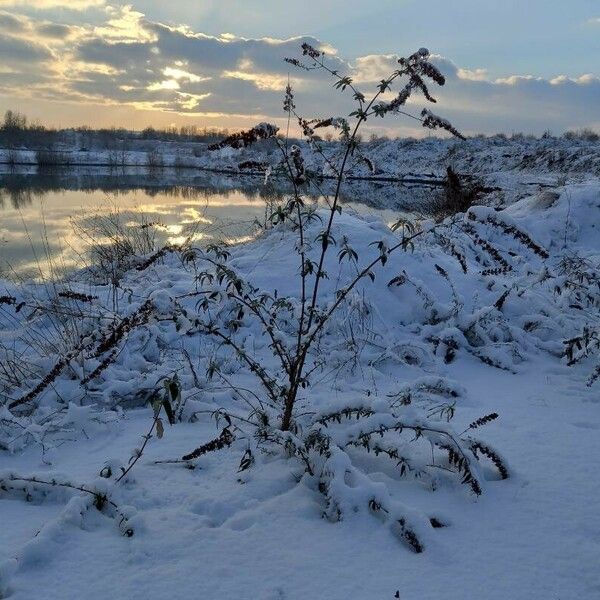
column 491, row 158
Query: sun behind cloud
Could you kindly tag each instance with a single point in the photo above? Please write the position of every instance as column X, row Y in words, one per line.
column 121, row 62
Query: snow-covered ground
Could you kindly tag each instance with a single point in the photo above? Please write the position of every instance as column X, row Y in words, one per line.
column 471, row 321
column 499, row 161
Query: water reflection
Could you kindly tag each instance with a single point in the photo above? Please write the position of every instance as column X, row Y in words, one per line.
column 42, row 213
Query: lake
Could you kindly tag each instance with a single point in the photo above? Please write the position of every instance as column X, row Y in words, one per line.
column 45, row 216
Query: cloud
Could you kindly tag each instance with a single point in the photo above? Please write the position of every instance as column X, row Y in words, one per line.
column 78, row 5
column 475, row 103
column 124, row 26
column 34, row 30
column 9, row 22
column 134, row 62
column 374, row 67
column 177, row 74
column 472, row 74
column 263, row 81
column 15, row 50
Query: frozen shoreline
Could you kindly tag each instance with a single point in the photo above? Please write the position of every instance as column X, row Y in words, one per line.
column 392, row 158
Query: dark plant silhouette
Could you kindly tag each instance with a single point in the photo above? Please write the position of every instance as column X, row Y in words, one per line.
column 296, row 326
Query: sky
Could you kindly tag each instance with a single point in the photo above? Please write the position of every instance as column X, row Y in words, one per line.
column 510, row 65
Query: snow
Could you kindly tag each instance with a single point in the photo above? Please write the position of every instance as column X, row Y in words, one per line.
column 215, row 531
column 513, row 164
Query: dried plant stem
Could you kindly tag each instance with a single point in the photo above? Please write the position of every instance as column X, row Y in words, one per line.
column 139, row 451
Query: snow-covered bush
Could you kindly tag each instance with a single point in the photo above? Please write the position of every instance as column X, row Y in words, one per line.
column 457, row 195
column 322, row 343
column 302, row 327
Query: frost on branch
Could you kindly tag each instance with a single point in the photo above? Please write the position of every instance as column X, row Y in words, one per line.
column 243, row 139
column 432, row 121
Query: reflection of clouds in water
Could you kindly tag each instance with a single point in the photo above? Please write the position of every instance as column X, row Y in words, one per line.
column 46, row 232
column 44, row 215
column 9, row 233
column 182, row 239
column 174, row 229
column 193, row 215
column 38, row 251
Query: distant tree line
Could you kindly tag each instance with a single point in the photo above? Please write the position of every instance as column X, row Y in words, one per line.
column 17, row 131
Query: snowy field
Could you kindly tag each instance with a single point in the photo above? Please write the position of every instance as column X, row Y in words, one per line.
column 467, row 323
column 498, row 158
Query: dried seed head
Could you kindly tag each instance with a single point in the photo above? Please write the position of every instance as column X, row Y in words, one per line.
column 308, row 50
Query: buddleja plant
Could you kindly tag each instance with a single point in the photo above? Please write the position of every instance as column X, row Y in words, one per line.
column 295, row 325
